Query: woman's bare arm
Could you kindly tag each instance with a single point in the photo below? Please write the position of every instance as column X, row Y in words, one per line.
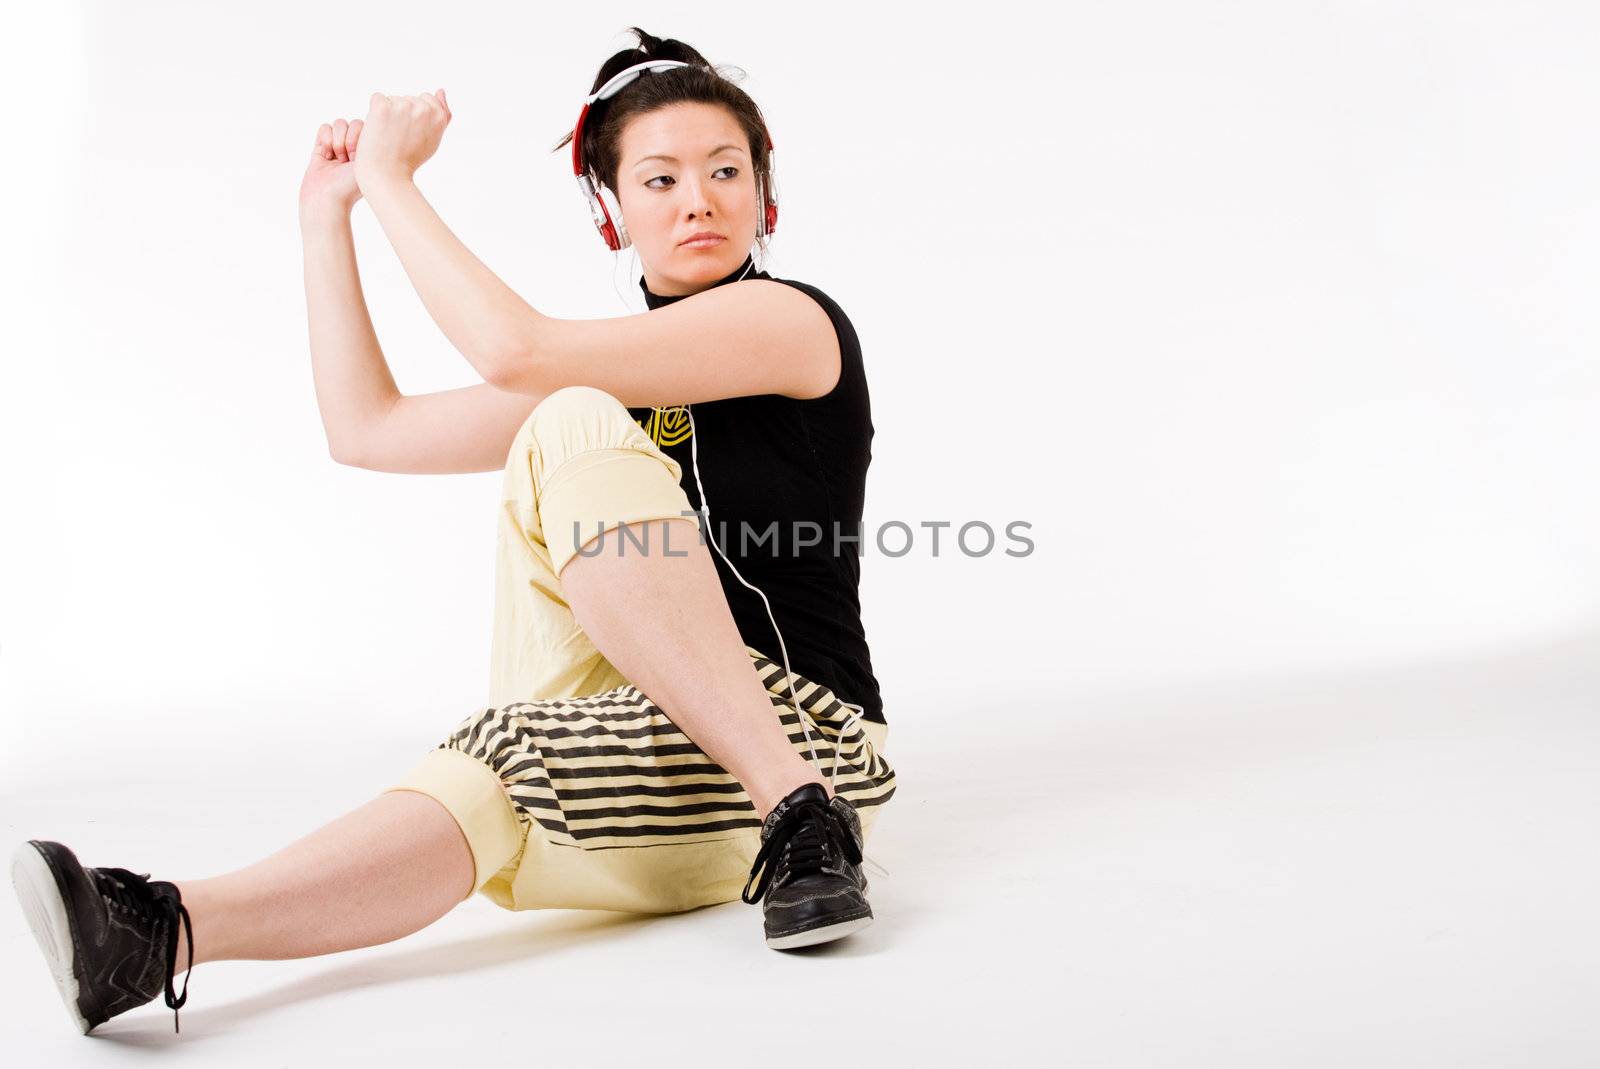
column 352, row 380
column 368, row 421
column 750, row 338
column 466, row 429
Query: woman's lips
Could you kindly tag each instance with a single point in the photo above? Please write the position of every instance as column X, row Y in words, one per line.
column 702, row 243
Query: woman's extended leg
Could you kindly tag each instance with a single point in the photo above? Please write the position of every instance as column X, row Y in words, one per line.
column 386, row 869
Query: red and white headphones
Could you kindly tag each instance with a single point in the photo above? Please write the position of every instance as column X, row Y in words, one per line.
column 603, row 204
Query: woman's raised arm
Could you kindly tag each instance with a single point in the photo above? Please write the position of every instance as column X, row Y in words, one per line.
column 369, row 423
column 352, row 379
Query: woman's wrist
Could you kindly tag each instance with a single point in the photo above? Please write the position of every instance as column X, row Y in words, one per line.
column 380, row 185
column 324, row 212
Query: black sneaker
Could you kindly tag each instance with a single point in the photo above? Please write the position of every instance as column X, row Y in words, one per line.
column 109, row 935
column 813, row 885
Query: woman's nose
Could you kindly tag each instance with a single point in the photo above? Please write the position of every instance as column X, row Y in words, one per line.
column 698, row 196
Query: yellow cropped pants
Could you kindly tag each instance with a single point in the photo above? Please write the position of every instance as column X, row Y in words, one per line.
column 572, row 788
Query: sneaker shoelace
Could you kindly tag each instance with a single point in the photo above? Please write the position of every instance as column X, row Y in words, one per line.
column 132, row 892
column 805, row 840
column 808, row 836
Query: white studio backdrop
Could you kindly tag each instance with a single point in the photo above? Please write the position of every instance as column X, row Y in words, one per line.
column 1274, row 322
column 1271, row 320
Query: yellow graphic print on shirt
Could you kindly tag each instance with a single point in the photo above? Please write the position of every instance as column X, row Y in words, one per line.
column 667, row 426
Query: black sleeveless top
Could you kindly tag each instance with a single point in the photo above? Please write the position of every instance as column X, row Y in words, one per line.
column 786, row 479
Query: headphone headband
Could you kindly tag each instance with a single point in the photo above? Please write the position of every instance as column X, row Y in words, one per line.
column 614, row 232
column 614, row 85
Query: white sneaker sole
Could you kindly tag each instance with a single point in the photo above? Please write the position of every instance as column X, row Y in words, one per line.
column 824, row 934
column 36, row 889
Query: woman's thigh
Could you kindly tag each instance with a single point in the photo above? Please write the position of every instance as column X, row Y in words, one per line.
column 580, row 464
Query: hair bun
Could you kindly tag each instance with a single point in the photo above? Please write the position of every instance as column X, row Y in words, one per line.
column 652, row 47
column 648, row 44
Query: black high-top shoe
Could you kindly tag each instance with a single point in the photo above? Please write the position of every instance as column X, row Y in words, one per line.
column 108, row 935
column 813, row 885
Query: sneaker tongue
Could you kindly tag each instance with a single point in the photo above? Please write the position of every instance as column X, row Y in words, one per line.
column 810, row 792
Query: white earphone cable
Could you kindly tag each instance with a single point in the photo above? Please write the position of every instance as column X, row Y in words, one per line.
column 855, row 717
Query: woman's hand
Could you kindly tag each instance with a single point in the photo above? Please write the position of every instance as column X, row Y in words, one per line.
column 399, row 135
column 330, row 177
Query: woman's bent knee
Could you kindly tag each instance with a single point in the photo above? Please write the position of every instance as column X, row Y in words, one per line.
column 584, row 419
column 570, row 401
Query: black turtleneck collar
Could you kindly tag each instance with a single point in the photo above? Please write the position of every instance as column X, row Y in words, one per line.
column 655, row 300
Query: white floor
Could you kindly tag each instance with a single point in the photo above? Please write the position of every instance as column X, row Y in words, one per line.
column 1394, row 867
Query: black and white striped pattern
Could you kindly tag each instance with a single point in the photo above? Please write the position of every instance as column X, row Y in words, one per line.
column 610, row 770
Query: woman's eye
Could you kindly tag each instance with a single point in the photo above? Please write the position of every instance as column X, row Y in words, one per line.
column 668, row 177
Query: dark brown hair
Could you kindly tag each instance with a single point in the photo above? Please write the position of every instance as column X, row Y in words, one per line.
column 698, row 83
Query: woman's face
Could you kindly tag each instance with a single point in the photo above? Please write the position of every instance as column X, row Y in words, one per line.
column 682, row 170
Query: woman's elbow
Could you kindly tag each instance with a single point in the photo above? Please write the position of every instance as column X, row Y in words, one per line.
column 346, row 452
column 513, row 366
column 517, row 375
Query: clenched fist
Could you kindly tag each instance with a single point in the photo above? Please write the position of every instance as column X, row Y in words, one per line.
column 330, row 178
column 399, row 135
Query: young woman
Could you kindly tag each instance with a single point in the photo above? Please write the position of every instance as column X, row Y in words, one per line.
column 664, row 725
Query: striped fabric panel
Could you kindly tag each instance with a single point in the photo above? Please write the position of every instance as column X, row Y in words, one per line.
column 610, row 770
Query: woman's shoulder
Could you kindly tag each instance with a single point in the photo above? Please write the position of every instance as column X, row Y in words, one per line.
column 843, row 328
column 850, row 390
column 841, row 321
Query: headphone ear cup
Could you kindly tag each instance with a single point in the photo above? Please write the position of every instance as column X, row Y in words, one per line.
column 767, row 220
column 772, row 217
column 613, row 212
